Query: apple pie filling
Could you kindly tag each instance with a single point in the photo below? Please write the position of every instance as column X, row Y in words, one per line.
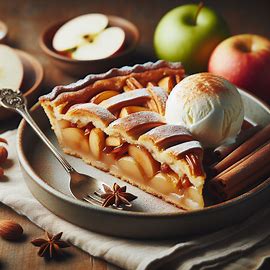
column 115, row 122
column 134, row 163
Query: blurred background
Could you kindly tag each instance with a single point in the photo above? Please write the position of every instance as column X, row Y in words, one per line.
column 26, row 20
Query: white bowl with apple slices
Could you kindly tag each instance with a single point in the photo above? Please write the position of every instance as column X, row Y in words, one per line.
column 19, row 71
column 108, row 42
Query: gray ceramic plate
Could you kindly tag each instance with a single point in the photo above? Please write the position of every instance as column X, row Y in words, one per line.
column 150, row 217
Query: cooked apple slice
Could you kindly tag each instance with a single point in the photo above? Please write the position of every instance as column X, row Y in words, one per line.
column 103, row 96
column 131, row 109
column 193, row 198
column 144, row 159
column 161, row 182
column 75, row 139
column 64, row 124
column 167, row 83
column 103, row 45
column 130, row 167
column 113, row 141
column 11, row 68
column 75, row 32
column 96, row 142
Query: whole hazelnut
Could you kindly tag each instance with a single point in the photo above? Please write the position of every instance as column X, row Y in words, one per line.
column 10, row 230
column 3, row 154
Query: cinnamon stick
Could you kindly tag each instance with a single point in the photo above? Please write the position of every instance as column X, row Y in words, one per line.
column 224, row 150
column 222, row 193
column 245, row 169
column 243, row 150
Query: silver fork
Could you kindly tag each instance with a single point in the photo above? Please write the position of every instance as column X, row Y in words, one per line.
column 82, row 186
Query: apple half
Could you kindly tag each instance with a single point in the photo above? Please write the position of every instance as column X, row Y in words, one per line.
column 73, row 33
column 11, row 68
column 87, row 38
column 107, row 43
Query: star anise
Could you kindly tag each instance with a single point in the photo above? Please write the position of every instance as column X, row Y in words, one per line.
column 50, row 247
column 116, row 196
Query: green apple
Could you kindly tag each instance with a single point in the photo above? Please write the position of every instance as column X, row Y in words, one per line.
column 189, row 34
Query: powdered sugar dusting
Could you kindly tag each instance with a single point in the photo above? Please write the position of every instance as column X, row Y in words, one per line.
column 180, row 149
column 137, row 119
column 125, row 99
column 167, row 131
column 94, row 109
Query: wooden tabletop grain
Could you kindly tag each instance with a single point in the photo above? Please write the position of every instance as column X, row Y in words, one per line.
column 26, row 19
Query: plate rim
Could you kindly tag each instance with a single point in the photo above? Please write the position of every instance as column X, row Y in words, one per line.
column 229, row 203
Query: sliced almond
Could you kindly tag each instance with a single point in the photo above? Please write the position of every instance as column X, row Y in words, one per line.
column 96, row 142
column 113, row 141
column 103, row 96
column 144, row 159
column 130, row 167
column 167, row 83
column 133, row 84
column 131, row 109
column 75, row 139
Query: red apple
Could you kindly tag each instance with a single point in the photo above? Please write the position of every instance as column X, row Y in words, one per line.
column 245, row 61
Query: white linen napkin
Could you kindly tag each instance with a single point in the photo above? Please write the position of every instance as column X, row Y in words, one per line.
column 243, row 246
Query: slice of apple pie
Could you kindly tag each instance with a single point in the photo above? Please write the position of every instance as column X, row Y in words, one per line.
column 114, row 121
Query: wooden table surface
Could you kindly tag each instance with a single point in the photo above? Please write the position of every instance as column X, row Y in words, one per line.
column 26, row 19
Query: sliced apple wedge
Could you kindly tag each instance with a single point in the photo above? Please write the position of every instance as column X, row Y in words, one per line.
column 96, row 142
column 103, row 96
column 162, row 183
column 113, row 141
column 64, row 124
column 75, row 32
column 130, row 167
column 167, row 83
column 144, row 159
column 11, row 68
column 131, row 109
column 103, row 45
column 74, row 137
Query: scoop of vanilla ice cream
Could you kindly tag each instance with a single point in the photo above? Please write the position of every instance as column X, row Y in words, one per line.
column 209, row 106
